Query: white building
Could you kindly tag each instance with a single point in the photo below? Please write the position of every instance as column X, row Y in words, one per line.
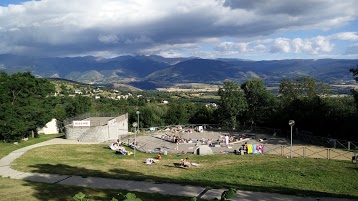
column 51, row 127
column 77, row 91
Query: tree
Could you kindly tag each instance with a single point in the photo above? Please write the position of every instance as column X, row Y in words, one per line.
column 302, row 87
column 355, row 73
column 24, row 104
column 259, row 100
column 202, row 115
column 354, row 92
column 232, row 104
column 340, row 118
column 176, row 114
column 302, row 100
column 78, row 105
column 355, row 96
column 152, row 115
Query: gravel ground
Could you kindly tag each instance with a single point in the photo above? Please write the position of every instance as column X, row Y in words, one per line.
column 272, row 145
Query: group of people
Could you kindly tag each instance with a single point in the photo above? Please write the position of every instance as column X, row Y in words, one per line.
column 117, row 146
column 250, row 149
column 175, row 138
column 184, row 163
column 222, row 139
column 178, row 140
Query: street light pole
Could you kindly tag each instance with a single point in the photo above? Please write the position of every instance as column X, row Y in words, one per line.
column 135, row 131
column 135, row 136
column 291, row 123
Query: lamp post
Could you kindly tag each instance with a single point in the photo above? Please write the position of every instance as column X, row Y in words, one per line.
column 135, row 137
column 135, row 131
column 291, row 123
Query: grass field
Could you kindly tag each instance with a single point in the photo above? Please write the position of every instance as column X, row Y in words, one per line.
column 11, row 189
column 269, row 173
column 6, row 148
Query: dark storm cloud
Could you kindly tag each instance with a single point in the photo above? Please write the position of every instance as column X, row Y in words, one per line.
column 293, row 8
column 70, row 27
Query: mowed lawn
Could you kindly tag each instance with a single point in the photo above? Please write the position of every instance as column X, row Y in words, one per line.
column 6, row 148
column 269, row 173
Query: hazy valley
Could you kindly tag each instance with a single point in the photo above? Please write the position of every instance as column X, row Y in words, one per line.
column 152, row 72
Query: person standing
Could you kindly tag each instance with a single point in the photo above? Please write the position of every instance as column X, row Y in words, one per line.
column 227, row 140
column 176, row 140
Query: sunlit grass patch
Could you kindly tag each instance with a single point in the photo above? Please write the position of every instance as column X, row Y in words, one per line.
column 6, row 148
column 249, row 172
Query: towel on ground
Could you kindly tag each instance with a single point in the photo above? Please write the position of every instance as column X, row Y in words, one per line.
column 254, row 150
column 249, row 148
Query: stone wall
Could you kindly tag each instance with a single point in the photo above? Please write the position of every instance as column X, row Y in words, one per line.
column 110, row 131
column 73, row 133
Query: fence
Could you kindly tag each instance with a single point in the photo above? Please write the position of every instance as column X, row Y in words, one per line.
column 326, row 142
column 216, row 127
column 308, row 152
column 211, row 127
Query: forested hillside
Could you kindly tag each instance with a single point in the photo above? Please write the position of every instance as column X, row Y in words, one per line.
column 151, row 72
column 28, row 103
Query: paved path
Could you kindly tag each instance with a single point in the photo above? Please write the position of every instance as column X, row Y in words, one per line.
column 140, row 186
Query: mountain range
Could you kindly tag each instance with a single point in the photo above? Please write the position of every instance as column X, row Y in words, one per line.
column 149, row 72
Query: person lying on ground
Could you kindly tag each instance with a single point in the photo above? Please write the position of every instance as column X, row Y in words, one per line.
column 185, row 163
column 114, row 146
column 149, row 161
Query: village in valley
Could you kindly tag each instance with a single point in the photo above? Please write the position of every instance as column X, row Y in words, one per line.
column 177, row 100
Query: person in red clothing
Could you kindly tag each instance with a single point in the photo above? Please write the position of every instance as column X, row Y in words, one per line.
column 159, row 157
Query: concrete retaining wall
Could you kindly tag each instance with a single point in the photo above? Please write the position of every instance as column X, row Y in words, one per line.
column 110, row 131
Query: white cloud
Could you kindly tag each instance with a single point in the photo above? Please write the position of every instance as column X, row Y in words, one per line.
column 68, row 27
column 170, row 54
column 281, row 45
column 260, row 48
column 312, row 46
column 349, row 36
column 321, row 44
column 162, row 49
column 231, row 46
column 107, row 39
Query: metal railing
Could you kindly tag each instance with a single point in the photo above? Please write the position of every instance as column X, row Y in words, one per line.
column 325, row 141
column 309, row 152
column 183, row 127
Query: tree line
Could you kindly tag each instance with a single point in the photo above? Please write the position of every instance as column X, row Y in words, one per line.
column 27, row 103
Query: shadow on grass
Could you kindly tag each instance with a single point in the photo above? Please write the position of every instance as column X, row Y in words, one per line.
column 57, row 192
column 62, row 136
column 44, row 191
column 47, row 188
column 177, row 165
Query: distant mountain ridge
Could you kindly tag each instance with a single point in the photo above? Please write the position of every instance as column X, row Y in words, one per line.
column 156, row 71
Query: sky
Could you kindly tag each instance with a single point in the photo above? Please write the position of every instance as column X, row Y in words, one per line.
column 243, row 29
